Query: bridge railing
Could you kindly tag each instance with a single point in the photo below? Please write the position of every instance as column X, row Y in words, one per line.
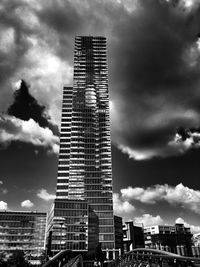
column 75, row 262
column 154, row 258
column 60, row 259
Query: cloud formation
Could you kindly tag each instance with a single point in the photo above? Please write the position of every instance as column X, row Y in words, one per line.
column 160, row 60
column 43, row 194
column 178, row 195
column 27, row 204
column 122, row 207
column 26, row 107
column 3, row 205
column 14, row 129
column 186, row 139
column 148, row 220
column 154, row 63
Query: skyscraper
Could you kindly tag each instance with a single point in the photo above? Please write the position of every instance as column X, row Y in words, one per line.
column 85, row 167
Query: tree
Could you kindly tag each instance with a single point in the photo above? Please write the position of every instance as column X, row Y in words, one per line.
column 3, row 260
column 43, row 257
column 18, row 259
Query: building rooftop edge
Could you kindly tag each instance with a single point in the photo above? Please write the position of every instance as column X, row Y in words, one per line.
column 95, row 36
column 29, row 212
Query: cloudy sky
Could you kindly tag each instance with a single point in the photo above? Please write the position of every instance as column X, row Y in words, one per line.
column 154, row 83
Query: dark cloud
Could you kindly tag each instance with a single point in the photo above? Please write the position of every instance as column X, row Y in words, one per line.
column 154, row 62
column 63, row 20
column 184, row 133
column 66, row 19
column 190, row 138
column 62, row 17
column 25, row 107
column 155, row 76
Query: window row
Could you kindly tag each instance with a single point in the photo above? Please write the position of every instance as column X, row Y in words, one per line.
column 70, row 213
column 101, row 207
column 62, row 187
column 100, row 200
column 107, row 237
column 62, row 180
column 98, row 194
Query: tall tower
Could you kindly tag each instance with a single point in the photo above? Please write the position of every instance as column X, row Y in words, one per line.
column 85, row 167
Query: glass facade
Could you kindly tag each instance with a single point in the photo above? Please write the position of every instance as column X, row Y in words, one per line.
column 23, row 231
column 85, row 167
column 68, row 225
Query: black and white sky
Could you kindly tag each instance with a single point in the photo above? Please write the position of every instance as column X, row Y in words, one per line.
column 154, row 84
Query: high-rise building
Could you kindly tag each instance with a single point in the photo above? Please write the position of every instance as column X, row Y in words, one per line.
column 85, row 167
column 23, row 231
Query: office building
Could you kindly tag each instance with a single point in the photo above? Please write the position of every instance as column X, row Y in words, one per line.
column 118, row 226
column 85, row 167
column 70, row 219
column 176, row 239
column 23, row 231
column 133, row 236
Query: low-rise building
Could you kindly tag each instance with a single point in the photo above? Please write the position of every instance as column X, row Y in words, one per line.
column 23, row 231
column 133, row 236
column 196, row 247
column 176, row 239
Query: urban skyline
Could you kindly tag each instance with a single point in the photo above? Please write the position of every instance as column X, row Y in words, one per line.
column 153, row 56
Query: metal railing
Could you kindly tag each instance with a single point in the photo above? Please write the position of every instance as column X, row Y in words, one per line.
column 153, row 258
column 75, row 262
column 60, row 259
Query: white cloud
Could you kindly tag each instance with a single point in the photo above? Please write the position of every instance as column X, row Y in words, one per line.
column 1, row 182
column 175, row 195
column 148, row 220
column 45, row 195
column 55, row 148
column 7, row 37
column 174, row 147
column 3, row 205
column 183, row 145
column 137, row 154
column 44, row 63
column 27, row 204
column 14, row 129
column 122, row 207
column 194, row 228
column 149, row 195
column 190, row 4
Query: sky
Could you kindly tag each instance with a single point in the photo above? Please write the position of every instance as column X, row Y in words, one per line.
column 154, row 85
